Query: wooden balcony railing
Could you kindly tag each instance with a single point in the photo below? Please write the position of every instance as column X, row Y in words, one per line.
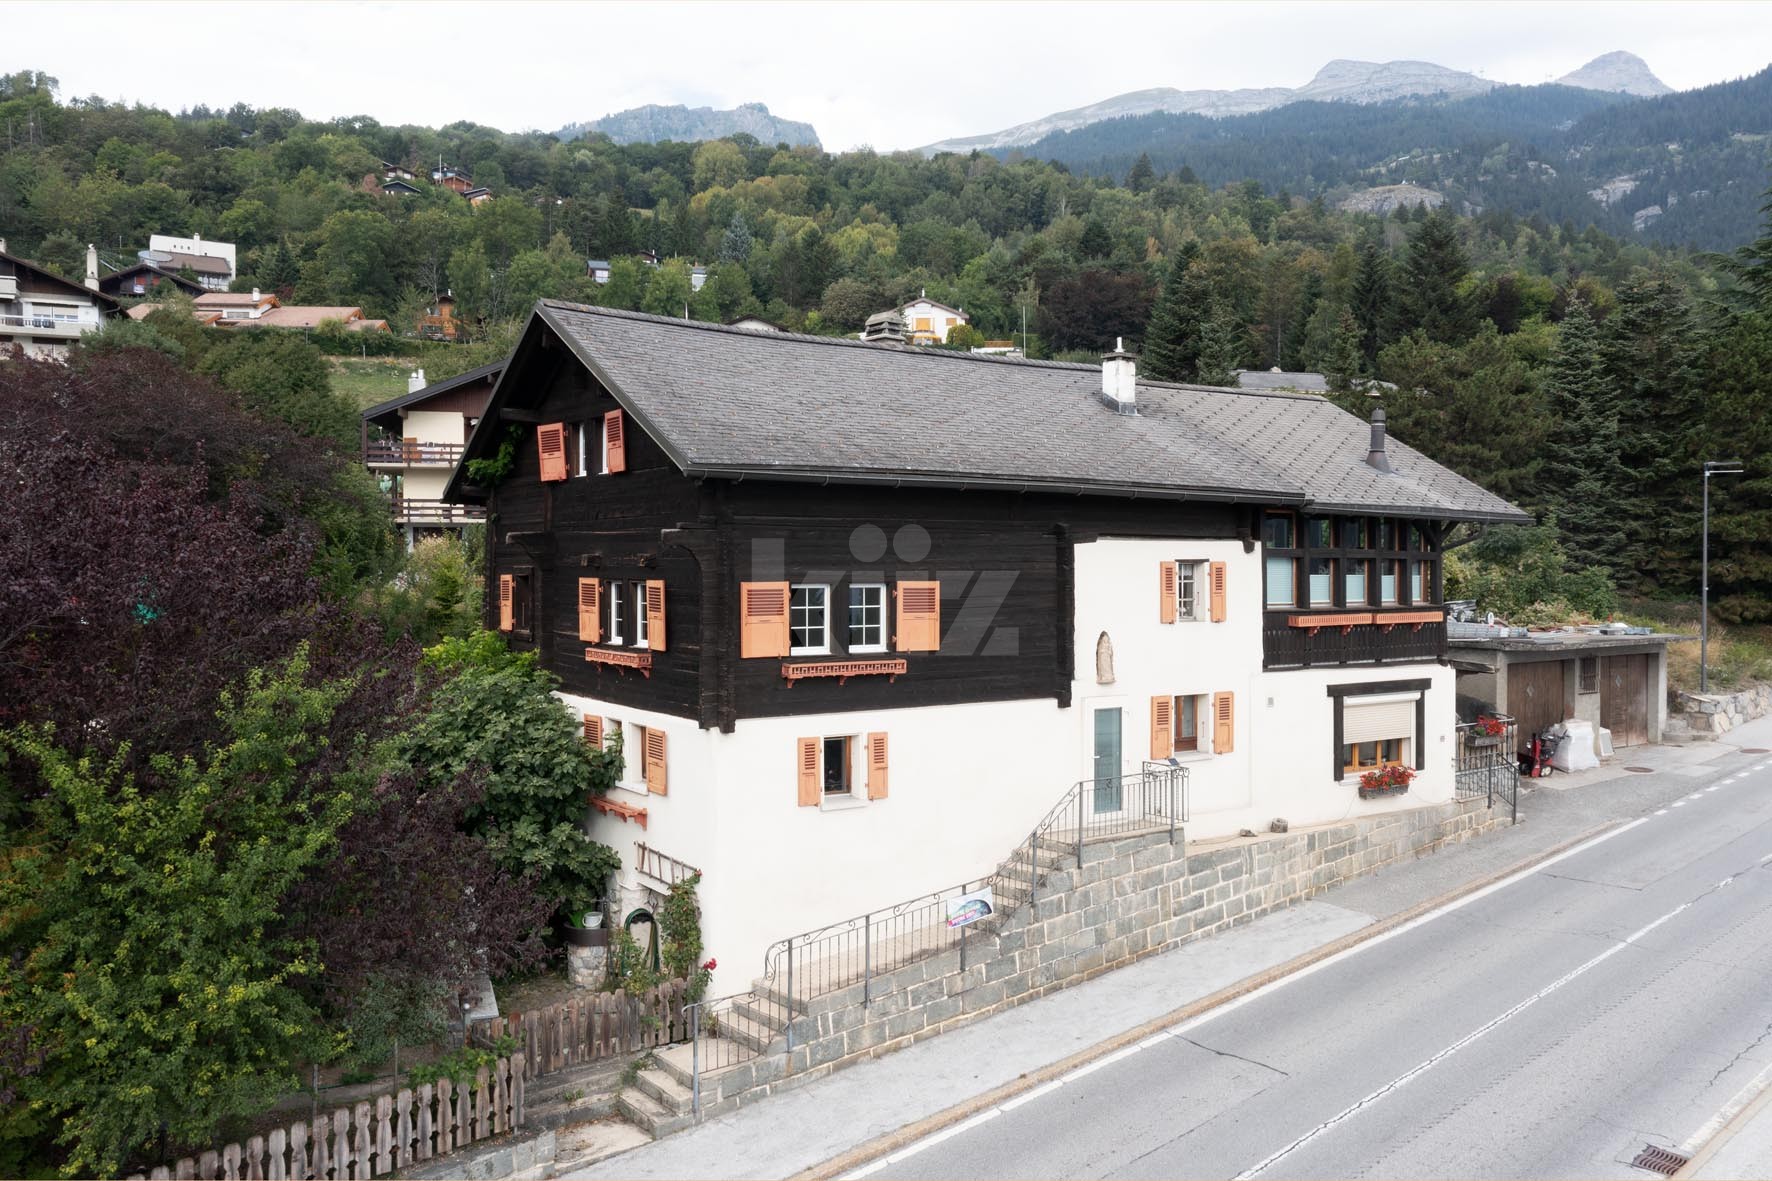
column 1294, row 639
column 412, row 454
column 436, row 512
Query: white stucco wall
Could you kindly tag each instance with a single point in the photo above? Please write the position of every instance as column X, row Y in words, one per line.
column 940, row 319
column 433, row 426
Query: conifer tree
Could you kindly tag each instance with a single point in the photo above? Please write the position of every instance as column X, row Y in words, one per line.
column 1345, row 361
column 1371, row 299
column 1584, row 484
column 1172, row 341
column 1752, row 264
column 1221, row 346
column 736, row 245
column 1143, row 177
column 1429, row 297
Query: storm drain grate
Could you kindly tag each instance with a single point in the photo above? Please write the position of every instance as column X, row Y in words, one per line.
column 1642, row 770
column 1660, row 1160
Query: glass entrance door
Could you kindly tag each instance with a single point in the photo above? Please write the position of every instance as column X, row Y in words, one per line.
column 1106, row 766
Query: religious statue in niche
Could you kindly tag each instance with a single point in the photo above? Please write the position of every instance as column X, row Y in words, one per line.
column 1104, row 660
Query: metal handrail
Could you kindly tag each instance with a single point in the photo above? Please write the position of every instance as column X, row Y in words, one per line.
column 907, row 930
column 1488, row 769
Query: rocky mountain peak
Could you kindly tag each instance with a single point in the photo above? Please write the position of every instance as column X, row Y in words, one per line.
column 1618, row 71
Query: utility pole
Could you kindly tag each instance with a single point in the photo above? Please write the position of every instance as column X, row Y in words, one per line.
column 1712, row 467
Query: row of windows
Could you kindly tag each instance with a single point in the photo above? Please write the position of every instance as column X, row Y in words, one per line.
column 809, row 618
column 1346, row 562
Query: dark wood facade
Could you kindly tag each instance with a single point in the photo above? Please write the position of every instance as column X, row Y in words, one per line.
column 1004, row 561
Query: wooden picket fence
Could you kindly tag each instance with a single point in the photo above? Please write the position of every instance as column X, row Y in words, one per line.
column 373, row 1138
column 587, row 1028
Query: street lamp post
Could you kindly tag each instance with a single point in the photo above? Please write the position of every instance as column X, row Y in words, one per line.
column 1712, row 467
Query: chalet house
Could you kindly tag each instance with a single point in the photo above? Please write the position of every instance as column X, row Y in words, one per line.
column 258, row 309
column 597, row 269
column 398, row 188
column 413, row 443
column 392, row 171
column 439, row 322
column 451, row 178
column 861, row 614
column 927, row 321
column 43, row 313
column 478, row 195
column 143, row 279
column 214, row 263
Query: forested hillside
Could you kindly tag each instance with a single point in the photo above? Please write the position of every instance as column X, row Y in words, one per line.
column 1535, row 150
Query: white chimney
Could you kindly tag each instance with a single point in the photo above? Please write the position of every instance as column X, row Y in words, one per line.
column 2, row 245
column 255, row 298
column 1119, row 378
column 91, row 266
column 416, row 381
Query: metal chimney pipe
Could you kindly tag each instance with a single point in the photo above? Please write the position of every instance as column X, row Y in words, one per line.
column 1375, row 455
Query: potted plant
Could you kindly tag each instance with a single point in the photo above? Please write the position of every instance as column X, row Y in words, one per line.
column 1386, row 781
column 583, row 921
column 1488, row 731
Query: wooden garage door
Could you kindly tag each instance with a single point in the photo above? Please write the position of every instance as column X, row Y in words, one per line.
column 1624, row 699
column 1535, row 696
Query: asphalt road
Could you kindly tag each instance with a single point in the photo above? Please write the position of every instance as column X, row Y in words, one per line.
column 1552, row 1027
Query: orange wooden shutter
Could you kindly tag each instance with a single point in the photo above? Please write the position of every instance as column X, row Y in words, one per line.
column 655, row 614
column 550, row 440
column 506, row 589
column 1224, row 727
column 1162, row 732
column 590, row 610
column 615, row 440
column 1218, row 576
column 594, row 731
column 919, row 616
column 876, row 766
column 763, row 618
column 1168, row 574
column 655, row 761
column 808, row 767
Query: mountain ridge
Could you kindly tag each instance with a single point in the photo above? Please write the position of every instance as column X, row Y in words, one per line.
column 656, row 122
column 1340, row 80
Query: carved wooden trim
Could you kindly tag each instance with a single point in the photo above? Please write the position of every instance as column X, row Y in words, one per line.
column 621, row 660
column 844, row 669
column 1345, row 620
column 620, row 810
column 1390, row 619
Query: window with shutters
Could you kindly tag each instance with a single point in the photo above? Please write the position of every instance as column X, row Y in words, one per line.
column 551, row 443
column 522, row 601
column 637, row 593
column 836, row 777
column 867, row 617
column 1190, row 591
column 581, row 453
column 1187, row 723
column 919, row 617
column 841, row 770
column 809, row 620
column 616, row 593
column 615, row 442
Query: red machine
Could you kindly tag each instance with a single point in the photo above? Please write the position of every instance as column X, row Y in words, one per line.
column 1535, row 760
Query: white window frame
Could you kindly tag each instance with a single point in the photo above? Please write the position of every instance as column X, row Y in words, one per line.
column 855, row 795
column 641, row 639
column 583, row 455
column 603, row 445
column 615, row 585
column 880, row 588
column 819, row 649
column 1190, row 576
column 1202, row 719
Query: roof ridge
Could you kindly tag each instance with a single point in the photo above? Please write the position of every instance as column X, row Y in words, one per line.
column 896, row 348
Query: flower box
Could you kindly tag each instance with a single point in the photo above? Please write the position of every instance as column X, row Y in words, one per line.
column 1385, row 781
column 1373, row 793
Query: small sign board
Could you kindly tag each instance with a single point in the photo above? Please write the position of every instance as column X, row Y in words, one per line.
column 965, row 909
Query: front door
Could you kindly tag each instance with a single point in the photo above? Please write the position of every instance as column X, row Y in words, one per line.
column 1535, row 696
column 1624, row 699
column 1106, row 766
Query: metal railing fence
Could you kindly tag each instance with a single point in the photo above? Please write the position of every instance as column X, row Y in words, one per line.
column 1486, row 764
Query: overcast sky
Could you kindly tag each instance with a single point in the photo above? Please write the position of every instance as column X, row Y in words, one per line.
column 889, row 75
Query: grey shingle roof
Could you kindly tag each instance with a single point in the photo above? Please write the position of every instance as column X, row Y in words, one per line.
column 726, row 402
column 1267, row 379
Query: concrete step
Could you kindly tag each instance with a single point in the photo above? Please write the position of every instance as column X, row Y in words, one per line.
column 604, row 1075
column 776, row 995
column 664, row 1087
column 569, row 1109
column 717, row 1054
column 763, row 1011
column 582, row 1145
column 649, row 1115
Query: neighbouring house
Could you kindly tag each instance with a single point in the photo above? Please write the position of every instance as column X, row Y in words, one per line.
column 412, row 444
column 439, row 322
column 260, row 309
column 597, row 269
column 213, row 263
column 43, row 313
column 478, row 195
column 927, row 321
column 143, row 279
column 451, row 178
column 755, row 324
column 1614, row 677
column 1276, row 379
column 399, row 188
column 698, row 277
column 861, row 615
column 392, row 171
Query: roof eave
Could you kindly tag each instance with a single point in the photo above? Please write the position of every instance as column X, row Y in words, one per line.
column 960, row 482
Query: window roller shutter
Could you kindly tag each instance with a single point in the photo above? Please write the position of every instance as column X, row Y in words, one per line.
column 807, row 765
column 876, row 766
column 615, row 439
column 1218, row 576
column 1376, row 723
column 1224, row 723
column 763, row 618
column 1168, row 578
column 594, row 731
column 919, row 617
column 655, row 614
column 550, row 441
column 590, row 610
column 656, row 782
column 506, row 589
column 1162, row 732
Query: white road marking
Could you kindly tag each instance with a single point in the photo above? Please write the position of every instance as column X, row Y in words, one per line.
column 1727, row 1112
column 1678, row 804
column 1662, row 812
column 935, row 1138
column 1408, row 1076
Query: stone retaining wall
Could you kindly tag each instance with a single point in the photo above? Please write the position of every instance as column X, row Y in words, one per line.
column 1131, row 898
column 1719, row 713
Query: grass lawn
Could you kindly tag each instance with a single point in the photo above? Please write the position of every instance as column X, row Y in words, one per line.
column 1740, row 654
column 368, row 380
